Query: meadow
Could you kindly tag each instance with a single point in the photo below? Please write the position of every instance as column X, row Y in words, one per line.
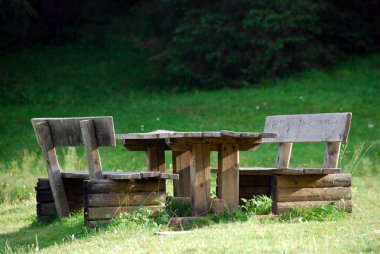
column 78, row 81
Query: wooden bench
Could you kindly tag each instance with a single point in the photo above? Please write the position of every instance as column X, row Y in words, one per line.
column 62, row 196
column 302, row 187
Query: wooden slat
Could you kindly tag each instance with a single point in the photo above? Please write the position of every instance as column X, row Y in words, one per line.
column 228, row 175
column 181, row 166
column 66, row 131
column 333, row 127
column 92, row 152
column 283, row 155
column 53, row 169
column 312, row 181
column 102, row 213
column 332, row 155
column 121, row 175
column 169, row 176
column 200, row 179
column 126, row 199
column 279, row 207
column 310, row 194
column 288, row 171
column 108, row 186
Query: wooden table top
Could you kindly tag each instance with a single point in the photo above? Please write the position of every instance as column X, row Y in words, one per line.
column 165, row 134
column 181, row 141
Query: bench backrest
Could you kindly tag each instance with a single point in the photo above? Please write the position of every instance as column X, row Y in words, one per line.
column 91, row 132
column 332, row 128
column 67, row 131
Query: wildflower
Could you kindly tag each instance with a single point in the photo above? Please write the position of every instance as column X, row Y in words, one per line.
column 371, row 125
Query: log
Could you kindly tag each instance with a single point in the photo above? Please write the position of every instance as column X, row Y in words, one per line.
column 107, row 186
column 102, row 213
column 124, row 199
column 310, row 181
column 279, row 207
column 310, row 194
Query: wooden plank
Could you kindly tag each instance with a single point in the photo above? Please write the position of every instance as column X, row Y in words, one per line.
column 53, row 169
column 255, row 171
column 181, row 166
column 283, row 155
column 312, row 181
column 151, row 174
column 156, row 157
column 254, row 180
column 91, row 147
column 162, row 134
column 331, row 171
column 126, row 199
column 279, row 207
column 200, row 179
column 84, row 175
column 102, row 213
column 310, row 194
column 169, row 176
column 332, row 155
column 121, row 175
column 332, row 127
column 46, row 209
column 108, row 186
column 288, row 171
column 67, row 132
column 181, row 200
column 228, row 175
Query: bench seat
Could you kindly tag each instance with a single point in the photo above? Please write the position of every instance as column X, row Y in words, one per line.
column 113, row 175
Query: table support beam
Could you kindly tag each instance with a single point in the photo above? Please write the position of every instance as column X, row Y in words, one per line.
column 155, row 155
column 181, row 166
column 228, row 174
column 200, row 175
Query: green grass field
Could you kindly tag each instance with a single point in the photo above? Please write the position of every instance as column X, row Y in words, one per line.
column 76, row 81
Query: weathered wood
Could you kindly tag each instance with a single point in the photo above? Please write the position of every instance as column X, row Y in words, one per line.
column 181, row 200
column 279, row 207
column 90, row 144
column 332, row 155
column 331, row 171
column 169, row 176
column 218, row 206
column 332, row 127
column 283, row 155
column 254, row 180
column 162, row 134
column 256, row 171
column 121, row 175
column 310, row 194
column 181, row 166
column 102, row 213
column 126, row 199
column 53, row 169
column 66, row 131
column 156, row 157
column 46, row 210
column 288, row 171
column 200, row 179
column 312, row 181
column 151, row 174
column 228, row 175
column 108, row 186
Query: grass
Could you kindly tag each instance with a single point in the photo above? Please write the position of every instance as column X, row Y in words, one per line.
column 77, row 81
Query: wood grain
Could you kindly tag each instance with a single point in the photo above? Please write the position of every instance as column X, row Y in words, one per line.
column 279, row 207
column 181, row 166
column 312, row 181
column 311, row 194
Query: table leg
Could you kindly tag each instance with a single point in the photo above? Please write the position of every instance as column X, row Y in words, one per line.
column 228, row 174
column 181, row 166
column 155, row 155
column 200, row 174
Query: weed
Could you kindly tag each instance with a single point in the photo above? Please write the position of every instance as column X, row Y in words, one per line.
column 258, row 205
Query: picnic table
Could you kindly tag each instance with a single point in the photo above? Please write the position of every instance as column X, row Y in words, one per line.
column 191, row 160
